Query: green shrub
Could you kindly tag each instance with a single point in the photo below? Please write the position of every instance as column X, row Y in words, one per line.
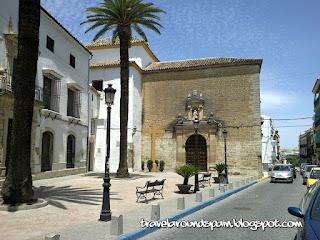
column 161, row 167
column 219, row 167
column 149, row 165
column 157, row 162
column 186, row 171
column 142, row 165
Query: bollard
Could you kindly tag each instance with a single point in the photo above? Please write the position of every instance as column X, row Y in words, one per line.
column 155, row 212
column 222, row 189
column 116, row 227
column 211, row 192
column 52, row 237
column 199, row 197
column 181, row 203
column 230, row 186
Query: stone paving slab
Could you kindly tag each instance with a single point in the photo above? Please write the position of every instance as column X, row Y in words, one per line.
column 75, row 204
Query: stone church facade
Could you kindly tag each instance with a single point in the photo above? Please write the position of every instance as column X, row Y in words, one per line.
column 225, row 94
column 165, row 98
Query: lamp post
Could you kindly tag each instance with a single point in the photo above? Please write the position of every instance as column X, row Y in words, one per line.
column 105, row 214
column 196, row 176
column 225, row 134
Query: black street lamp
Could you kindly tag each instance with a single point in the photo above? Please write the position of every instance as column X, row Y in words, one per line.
column 105, row 214
column 196, row 176
column 225, row 134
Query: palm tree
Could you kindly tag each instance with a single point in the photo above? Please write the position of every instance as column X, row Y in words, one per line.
column 121, row 17
column 17, row 187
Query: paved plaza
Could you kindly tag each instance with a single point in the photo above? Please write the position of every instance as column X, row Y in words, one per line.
column 74, row 204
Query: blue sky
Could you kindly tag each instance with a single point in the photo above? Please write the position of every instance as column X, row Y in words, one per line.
column 285, row 34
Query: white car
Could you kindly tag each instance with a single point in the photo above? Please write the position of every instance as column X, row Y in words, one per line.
column 282, row 173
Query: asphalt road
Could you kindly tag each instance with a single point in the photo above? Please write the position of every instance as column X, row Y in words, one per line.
column 263, row 201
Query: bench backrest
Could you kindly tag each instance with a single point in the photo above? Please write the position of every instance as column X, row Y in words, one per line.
column 155, row 183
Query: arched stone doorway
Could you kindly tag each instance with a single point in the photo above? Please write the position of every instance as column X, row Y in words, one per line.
column 71, row 151
column 196, row 152
column 47, row 152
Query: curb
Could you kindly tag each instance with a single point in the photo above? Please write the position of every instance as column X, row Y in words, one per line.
column 145, row 231
column 25, row 206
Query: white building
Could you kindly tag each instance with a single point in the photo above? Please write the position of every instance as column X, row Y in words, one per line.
column 61, row 115
column 105, row 69
column 270, row 142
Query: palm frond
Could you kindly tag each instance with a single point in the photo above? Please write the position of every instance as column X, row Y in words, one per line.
column 115, row 15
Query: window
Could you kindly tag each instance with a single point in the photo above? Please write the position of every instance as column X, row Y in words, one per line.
column 51, row 93
column 72, row 61
column 73, row 108
column 50, row 44
column 97, row 84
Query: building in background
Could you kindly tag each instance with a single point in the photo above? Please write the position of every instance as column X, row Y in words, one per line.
column 306, row 146
column 61, row 113
column 165, row 98
column 270, row 143
column 316, row 123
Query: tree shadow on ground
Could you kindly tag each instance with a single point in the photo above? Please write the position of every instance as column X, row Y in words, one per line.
column 57, row 195
column 132, row 176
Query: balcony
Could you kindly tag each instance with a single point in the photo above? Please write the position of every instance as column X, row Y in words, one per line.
column 8, row 86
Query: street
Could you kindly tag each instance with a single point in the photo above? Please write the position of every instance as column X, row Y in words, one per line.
column 264, row 201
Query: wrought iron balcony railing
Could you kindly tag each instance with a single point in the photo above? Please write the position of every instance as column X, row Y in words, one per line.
column 7, row 85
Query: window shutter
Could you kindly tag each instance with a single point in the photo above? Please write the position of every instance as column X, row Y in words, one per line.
column 77, row 104
column 56, row 95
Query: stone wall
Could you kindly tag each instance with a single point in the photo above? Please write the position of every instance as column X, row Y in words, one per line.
column 232, row 94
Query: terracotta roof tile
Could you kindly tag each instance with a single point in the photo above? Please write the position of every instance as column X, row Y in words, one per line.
column 199, row 63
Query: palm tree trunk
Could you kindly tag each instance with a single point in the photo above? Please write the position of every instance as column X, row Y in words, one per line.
column 124, row 101
column 17, row 187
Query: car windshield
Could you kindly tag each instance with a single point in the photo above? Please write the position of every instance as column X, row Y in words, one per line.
column 308, row 168
column 315, row 174
column 281, row 168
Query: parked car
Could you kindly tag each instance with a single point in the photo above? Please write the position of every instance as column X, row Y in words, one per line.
column 282, row 173
column 309, row 213
column 306, row 173
column 302, row 168
column 314, row 176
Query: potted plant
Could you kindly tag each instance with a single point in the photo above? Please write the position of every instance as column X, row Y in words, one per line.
column 219, row 168
column 142, row 165
column 186, row 171
column 149, row 165
column 157, row 162
column 161, row 167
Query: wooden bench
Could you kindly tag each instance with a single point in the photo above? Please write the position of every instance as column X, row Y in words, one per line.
column 153, row 187
column 205, row 179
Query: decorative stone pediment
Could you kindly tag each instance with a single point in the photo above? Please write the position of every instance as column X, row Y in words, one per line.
column 194, row 105
column 194, row 109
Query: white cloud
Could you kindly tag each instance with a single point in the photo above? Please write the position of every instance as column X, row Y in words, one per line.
column 272, row 100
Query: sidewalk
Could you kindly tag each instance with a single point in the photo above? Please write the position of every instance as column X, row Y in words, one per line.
column 75, row 204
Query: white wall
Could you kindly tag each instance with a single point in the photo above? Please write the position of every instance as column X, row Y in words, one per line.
column 267, row 141
column 136, row 53
column 112, row 76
